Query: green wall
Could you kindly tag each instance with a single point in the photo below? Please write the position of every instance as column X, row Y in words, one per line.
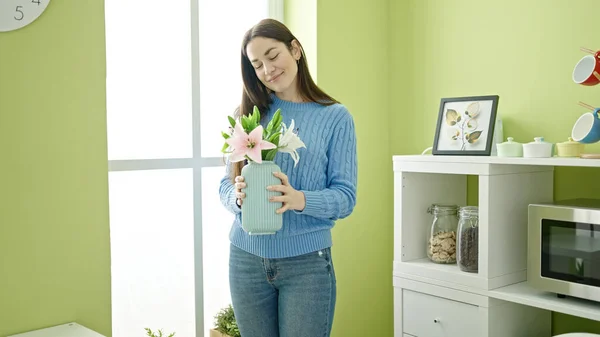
column 392, row 61
column 301, row 17
column 54, row 230
column 388, row 61
column 352, row 65
column 524, row 51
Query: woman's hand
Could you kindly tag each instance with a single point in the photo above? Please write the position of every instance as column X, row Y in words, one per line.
column 290, row 198
column 239, row 184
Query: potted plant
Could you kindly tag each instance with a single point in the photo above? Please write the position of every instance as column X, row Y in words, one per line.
column 159, row 333
column 225, row 324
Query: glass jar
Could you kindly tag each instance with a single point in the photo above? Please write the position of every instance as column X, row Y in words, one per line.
column 441, row 242
column 468, row 239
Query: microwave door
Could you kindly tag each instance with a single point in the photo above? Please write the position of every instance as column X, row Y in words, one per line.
column 571, row 252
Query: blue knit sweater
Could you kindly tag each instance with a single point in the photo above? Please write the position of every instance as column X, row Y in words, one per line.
column 326, row 174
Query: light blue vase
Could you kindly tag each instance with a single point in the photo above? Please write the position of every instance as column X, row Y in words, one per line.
column 258, row 213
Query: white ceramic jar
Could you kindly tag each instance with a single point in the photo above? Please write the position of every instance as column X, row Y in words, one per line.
column 510, row 148
column 537, row 149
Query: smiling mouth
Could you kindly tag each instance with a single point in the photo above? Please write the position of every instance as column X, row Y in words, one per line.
column 275, row 78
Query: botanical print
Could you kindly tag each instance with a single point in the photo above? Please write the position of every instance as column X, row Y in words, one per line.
column 464, row 125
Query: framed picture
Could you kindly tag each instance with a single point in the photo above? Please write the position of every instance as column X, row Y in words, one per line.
column 465, row 126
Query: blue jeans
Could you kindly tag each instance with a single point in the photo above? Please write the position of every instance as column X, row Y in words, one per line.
column 288, row 297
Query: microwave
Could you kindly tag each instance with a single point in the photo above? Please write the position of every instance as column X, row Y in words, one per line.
column 563, row 248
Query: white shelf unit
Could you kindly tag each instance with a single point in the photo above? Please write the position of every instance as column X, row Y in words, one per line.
column 506, row 187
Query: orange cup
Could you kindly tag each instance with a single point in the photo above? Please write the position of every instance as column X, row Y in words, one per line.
column 587, row 70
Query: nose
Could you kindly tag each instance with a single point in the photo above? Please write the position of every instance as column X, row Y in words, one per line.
column 269, row 68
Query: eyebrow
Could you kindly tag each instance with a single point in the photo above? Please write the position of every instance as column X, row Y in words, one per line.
column 266, row 53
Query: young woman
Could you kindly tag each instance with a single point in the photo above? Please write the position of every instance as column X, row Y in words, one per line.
column 284, row 284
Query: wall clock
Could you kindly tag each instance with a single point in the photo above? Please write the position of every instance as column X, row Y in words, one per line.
column 15, row 14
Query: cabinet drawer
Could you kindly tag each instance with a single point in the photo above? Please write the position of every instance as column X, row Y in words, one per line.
column 431, row 316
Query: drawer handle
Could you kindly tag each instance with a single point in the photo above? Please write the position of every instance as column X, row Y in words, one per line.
column 435, row 320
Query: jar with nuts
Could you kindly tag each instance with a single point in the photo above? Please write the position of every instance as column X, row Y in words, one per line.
column 441, row 241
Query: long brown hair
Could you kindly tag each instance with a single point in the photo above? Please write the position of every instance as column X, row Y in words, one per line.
column 256, row 93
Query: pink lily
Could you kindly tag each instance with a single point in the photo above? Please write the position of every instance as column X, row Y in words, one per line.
column 250, row 145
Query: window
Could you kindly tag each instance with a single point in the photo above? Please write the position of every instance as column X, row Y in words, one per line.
column 173, row 75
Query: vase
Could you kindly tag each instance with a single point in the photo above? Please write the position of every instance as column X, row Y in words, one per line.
column 215, row 333
column 258, row 213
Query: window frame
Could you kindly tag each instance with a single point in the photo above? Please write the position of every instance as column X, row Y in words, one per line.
column 197, row 162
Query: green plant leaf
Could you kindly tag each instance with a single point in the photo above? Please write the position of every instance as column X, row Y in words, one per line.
column 275, row 123
column 231, row 121
column 225, row 322
column 251, row 125
column 225, row 135
column 159, row 333
column 274, row 138
column 278, row 120
column 256, row 114
column 245, row 124
column 224, row 148
column 269, row 155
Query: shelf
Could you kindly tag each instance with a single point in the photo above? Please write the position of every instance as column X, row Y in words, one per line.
column 524, row 294
column 506, row 186
column 554, row 161
column 483, row 165
column 450, row 275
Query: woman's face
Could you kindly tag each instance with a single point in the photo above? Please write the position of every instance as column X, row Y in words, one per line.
column 275, row 65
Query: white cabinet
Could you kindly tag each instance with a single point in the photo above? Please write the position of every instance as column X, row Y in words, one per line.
column 432, row 300
column 425, row 310
column 426, row 315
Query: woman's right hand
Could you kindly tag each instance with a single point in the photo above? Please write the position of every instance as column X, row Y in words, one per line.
column 239, row 184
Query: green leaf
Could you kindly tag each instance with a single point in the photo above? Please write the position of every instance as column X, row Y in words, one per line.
column 245, row 123
column 231, row 121
column 256, row 114
column 224, row 148
column 275, row 123
column 278, row 120
column 274, row 138
column 251, row 125
column 269, row 155
column 225, row 135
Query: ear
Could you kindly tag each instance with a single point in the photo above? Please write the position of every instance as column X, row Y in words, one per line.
column 296, row 50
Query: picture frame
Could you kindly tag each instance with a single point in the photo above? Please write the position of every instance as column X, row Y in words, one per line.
column 465, row 126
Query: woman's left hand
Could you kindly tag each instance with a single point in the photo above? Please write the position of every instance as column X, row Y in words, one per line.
column 291, row 198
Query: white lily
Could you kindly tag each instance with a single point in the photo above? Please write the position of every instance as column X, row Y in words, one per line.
column 289, row 142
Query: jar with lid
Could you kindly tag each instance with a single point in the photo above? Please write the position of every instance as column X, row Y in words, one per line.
column 468, row 239
column 441, row 242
